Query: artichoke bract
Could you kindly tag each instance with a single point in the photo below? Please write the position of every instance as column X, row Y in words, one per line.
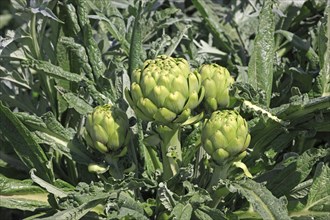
column 225, row 136
column 165, row 90
column 107, row 130
column 216, row 81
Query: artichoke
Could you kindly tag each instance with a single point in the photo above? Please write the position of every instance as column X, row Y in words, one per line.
column 216, row 81
column 225, row 136
column 107, row 130
column 165, row 90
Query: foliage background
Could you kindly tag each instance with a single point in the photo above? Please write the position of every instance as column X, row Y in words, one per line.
column 60, row 59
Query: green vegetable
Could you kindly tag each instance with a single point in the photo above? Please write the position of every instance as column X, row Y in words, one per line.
column 216, row 81
column 225, row 136
column 165, row 90
column 107, row 130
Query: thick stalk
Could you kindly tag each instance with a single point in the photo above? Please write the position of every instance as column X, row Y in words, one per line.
column 171, row 150
column 220, row 172
column 114, row 170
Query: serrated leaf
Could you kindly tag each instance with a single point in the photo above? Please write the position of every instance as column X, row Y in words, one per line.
column 301, row 190
column 263, row 134
column 202, row 215
column 49, row 187
column 218, row 30
column 72, row 149
column 70, row 17
column 56, row 127
column 25, row 203
column 9, row 47
column 46, row 123
column 176, row 40
column 130, row 207
column 22, row 195
column 166, row 196
column 195, row 195
column 242, row 90
column 318, row 201
column 80, row 105
column 53, row 70
column 93, row 52
column 260, row 70
column 181, row 211
column 255, row 108
column 301, row 107
column 108, row 25
column 125, row 200
column 281, row 181
column 319, row 193
column 204, row 47
column 78, row 212
column 271, row 135
column 14, row 77
column 302, row 45
column 14, row 186
column 45, row 12
column 48, row 130
column 23, row 143
column 74, row 56
column 206, row 213
column 31, row 121
column 111, row 20
column 261, row 199
column 132, row 183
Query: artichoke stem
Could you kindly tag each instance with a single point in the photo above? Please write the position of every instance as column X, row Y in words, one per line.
column 114, row 170
column 171, row 150
column 220, row 172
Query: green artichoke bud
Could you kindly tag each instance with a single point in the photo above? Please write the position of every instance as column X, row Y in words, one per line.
column 165, row 90
column 216, row 81
column 225, row 136
column 107, row 130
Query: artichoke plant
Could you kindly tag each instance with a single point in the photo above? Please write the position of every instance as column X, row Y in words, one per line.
column 216, row 81
column 165, row 90
column 107, row 130
column 225, row 136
